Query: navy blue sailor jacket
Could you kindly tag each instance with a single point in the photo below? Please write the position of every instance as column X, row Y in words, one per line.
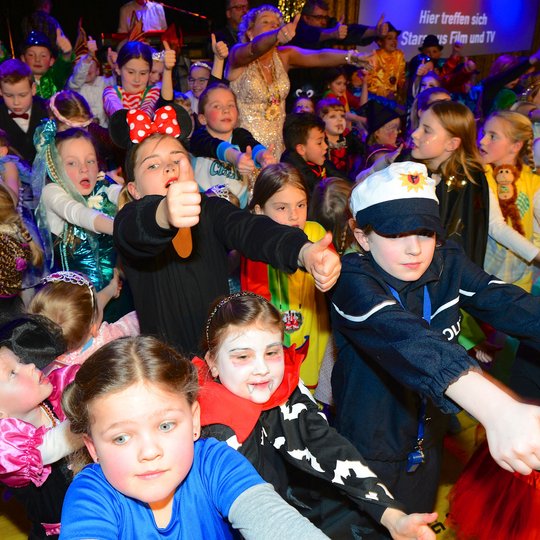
column 388, row 356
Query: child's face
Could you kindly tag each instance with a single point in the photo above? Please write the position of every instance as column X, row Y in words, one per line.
column 80, row 162
column 304, row 105
column 334, row 121
column 357, row 78
column 338, row 86
column 18, row 96
column 249, row 362
column 93, row 72
column 157, row 165
column 38, row 58
column 157, row 71
column 315, row 148
column 389, row 42
column 288, row 206
column 220, row 112
column 143, row 438
column 495, row 145
column 198, row 80
column 388, row 133
column 433, row 52
column 429, row 82
column 431, row 142
column 22, row 386
column 134, row 75
column 405, row 257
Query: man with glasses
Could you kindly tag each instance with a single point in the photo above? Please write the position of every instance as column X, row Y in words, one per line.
column 317, row 30
column 234, row 11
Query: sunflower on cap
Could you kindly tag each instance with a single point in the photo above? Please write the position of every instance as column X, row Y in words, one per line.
column 397, row 200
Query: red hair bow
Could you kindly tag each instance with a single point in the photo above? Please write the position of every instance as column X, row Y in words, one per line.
column 141, row 125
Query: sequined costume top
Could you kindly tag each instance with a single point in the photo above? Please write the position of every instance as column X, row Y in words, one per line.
column 254, row 95
column 388, row 74
column 91, row 253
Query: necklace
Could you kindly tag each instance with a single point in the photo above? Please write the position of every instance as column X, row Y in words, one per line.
column 48, row 413
column 273, row 99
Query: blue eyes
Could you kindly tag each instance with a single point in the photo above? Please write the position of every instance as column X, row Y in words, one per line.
column 121, row 439
column 166, row 426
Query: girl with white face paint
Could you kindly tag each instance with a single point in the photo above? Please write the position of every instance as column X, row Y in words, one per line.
column 252, row 398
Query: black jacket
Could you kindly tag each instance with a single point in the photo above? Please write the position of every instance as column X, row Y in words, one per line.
column 311, row 173
column 21, row 141
column 388, row 356
column 172, row 295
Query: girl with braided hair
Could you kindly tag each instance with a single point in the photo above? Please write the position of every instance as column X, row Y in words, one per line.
column 18, row 253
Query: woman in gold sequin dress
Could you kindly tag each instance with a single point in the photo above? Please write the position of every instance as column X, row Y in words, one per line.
column 257, row 71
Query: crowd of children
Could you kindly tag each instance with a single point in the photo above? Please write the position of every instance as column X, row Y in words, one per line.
column 372, row 226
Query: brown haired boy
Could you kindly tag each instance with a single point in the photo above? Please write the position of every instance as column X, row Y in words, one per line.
column 21, row 110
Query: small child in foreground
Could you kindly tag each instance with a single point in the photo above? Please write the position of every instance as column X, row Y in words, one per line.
column 152, row 476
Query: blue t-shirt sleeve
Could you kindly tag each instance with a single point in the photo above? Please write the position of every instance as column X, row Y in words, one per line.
column 227, row 473
column 90, row 508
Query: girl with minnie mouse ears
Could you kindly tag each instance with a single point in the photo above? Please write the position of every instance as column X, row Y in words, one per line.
column 173, row 243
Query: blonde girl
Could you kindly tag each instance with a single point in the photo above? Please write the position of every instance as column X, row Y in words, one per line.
column 506, row 148
column 77, row 205
column 70, row 300
column 445, row 142
column 19, row 254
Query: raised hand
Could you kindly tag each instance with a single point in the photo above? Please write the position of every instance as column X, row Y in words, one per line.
column 457, row 48
column 183, row 200
column 169, row 58
column 321, row 261
column 63, row 43
column 111, row 57
column 382, row 27
column 219, row 48
column 245, row 163
column 288, row 31
column 423, row 68
column 267, row 157
column 340, row 30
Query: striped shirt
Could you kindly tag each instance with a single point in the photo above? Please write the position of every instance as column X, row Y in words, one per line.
column 116, row 98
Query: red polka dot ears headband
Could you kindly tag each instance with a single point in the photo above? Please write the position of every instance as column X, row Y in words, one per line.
column 141, row 126
column 128, row 127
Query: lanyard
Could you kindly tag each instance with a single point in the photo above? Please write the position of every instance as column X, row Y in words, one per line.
column 426, row 315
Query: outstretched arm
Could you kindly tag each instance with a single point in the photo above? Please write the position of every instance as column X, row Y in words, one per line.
column 243, row 54
column 513, row 428
column 294, row 57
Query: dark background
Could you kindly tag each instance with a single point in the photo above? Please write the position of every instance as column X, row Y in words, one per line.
column 101, row 16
